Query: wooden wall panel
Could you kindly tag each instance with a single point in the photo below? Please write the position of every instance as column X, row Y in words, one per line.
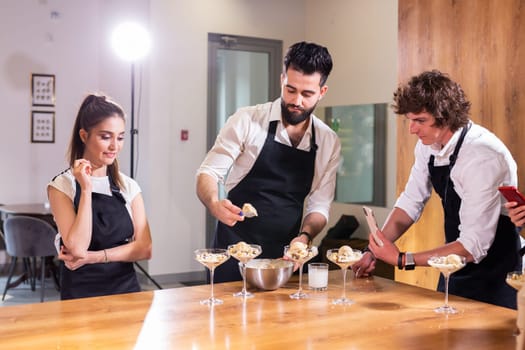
column 481, row 45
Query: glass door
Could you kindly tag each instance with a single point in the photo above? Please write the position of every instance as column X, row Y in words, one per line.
column 242, row 71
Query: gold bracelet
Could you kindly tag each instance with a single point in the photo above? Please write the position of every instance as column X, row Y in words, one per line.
column 105, row 257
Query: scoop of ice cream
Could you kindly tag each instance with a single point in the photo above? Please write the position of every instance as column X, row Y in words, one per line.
column 243, row 250
column 298, row 246
column 345, row 250
column 211, row 258
column 298, row 250
column 449, row 263
column 454, row 259
column 347, row 254
column 249, row 210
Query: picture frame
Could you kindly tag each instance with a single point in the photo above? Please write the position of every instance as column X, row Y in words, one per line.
column 42, row 127
column 43, row 90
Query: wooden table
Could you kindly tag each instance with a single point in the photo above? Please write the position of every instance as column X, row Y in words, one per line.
column 37, row 210
column 386, row 315
column 26, row 209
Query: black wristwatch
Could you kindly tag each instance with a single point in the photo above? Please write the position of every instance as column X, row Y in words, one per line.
column 410, row 264
column 307, row 235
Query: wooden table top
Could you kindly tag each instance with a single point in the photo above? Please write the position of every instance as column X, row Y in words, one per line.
column 386, row 315
column 26, row 209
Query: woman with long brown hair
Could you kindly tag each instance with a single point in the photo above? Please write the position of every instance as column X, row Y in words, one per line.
column 98, row 210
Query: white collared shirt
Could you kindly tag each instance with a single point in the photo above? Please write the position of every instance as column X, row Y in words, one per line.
column 241, row 140
column 484, row 163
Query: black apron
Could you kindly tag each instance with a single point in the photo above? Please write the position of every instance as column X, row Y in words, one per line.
column 112, row 226
column 484, row 281
column 276, row 186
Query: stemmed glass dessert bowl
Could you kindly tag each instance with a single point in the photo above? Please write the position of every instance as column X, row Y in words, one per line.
column 300, row 253
column 344, row 257
column 211, row 258
column 244, row 252
column 447, row 265
column 515, row 279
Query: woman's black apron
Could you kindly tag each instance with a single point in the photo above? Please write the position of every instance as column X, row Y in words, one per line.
column 484, row 281
column 112, row 226
column 276, row 186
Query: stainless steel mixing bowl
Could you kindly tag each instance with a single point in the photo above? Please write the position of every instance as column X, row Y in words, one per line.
column 268, row 274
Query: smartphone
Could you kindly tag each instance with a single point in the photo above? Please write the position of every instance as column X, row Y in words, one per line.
column 512, row 194
column 372, row 225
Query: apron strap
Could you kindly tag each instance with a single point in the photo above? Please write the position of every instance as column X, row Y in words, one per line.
column 313, row 144
column 454, row 155
column 273, row 127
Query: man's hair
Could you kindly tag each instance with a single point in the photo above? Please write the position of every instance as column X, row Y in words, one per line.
column 434, row 92
column 309, row 58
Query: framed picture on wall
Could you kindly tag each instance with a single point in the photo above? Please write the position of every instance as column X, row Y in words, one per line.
column 43, row 126
column 43, row 89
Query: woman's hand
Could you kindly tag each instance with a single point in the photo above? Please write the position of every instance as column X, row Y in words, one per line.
column 82, row 171
column 73, row 263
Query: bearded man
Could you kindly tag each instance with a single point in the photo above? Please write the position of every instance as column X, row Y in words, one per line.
column 278, row 157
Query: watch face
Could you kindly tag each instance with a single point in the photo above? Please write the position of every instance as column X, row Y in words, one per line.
column 409, row 262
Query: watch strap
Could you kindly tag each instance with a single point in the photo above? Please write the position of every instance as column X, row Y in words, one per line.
column 400, row 260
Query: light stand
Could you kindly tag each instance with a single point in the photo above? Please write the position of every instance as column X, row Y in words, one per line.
column 132, row 131
column 131, row 42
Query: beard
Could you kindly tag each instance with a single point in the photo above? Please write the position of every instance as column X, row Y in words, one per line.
column 295, row 118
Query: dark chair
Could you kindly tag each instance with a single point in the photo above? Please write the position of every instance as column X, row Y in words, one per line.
column 29, row 238
column 2, row 248
column 2, row 238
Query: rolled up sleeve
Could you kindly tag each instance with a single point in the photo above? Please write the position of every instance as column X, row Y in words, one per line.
column 418, row 188
column 480, row 201
column 323, row 186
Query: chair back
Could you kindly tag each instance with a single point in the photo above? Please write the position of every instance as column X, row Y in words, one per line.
column 27, row 236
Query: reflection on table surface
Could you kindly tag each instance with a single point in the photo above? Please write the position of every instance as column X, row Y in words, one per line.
column 386, row 315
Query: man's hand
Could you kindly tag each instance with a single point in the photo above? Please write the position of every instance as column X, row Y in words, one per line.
column 301, row 238
column 365, row 266
column 388, row 252
column 226, row 212
column 516, row 213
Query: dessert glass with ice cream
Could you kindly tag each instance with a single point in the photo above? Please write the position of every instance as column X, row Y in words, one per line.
column 211, row 258
column 300, row 253
column 447, row 265
column 244, row 252
column 515, row 279
column 344, row 257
